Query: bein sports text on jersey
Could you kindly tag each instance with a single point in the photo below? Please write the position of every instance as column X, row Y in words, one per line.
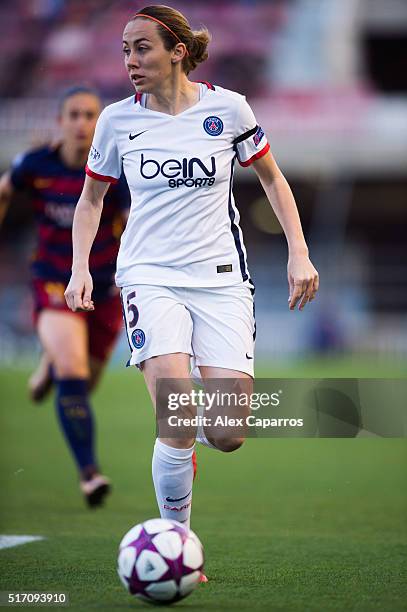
column 173, row 168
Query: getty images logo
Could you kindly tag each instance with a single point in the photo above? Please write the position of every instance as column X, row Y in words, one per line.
column 180, row 173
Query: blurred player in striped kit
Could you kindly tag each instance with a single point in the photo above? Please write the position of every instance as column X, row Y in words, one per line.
column 76, row 345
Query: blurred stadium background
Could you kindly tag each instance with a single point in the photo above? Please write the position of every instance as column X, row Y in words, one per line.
column 328, row 82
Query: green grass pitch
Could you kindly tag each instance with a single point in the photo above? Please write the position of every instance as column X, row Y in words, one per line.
column 287, row 524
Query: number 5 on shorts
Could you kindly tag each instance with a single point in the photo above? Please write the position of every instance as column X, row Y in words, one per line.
column 132, row 311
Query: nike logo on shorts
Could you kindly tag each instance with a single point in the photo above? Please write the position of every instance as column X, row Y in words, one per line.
column 248, row 356
column 133, row 136
column 173, row 499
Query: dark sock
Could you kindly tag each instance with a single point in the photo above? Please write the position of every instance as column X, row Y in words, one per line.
column 76, row 420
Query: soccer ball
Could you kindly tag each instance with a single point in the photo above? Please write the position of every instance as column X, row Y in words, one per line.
column 160, row 561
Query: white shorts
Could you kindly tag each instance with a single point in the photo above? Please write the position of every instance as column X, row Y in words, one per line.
column 215, row 325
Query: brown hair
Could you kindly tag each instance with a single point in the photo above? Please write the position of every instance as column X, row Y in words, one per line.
column 196, row 41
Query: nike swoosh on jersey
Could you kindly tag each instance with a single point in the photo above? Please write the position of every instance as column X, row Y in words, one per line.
column 248, row 356
column 173, row 499
column 133, row 136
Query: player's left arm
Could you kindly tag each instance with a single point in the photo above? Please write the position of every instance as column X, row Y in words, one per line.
column 303, row 278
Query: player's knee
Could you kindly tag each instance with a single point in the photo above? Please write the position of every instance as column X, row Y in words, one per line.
column 228, row 445
column 70, row 367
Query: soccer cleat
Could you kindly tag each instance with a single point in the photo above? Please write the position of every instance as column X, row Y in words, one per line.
column 203, row 578
column 194, row 463
column 95, row 490
column 40, row 382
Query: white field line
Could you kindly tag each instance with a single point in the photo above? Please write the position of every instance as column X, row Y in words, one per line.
column 8, row 541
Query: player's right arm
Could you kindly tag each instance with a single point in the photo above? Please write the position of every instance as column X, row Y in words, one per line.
column 78, row 293
column 103, row 168
column 6, row 193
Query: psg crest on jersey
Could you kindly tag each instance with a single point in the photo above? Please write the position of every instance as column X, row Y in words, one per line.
column 138, row 338
column 213, row 126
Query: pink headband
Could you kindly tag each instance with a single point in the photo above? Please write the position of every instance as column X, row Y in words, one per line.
column 163, row 25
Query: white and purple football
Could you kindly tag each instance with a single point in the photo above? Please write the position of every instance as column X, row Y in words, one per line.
column 160, row 561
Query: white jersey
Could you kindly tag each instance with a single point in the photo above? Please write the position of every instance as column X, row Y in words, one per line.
column 183, row 229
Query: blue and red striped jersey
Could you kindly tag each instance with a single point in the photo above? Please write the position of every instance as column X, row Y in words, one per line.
column 54, row 191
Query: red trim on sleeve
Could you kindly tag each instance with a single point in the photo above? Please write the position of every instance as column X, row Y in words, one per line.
column 264, row 150
column 209, row 85
column 100, row 177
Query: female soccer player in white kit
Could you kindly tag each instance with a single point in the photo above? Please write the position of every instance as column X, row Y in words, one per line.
column 182, row 267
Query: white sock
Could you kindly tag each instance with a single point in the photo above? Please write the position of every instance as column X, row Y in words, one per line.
column 200, row 432
column 173, row 476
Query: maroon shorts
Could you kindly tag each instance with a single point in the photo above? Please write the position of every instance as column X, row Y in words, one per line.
column 104, row 323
